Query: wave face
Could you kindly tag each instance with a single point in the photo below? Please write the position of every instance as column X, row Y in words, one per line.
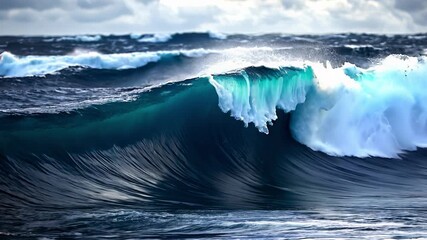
column 196, row 122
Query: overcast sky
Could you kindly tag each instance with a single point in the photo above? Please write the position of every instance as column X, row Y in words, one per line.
column 56, row 17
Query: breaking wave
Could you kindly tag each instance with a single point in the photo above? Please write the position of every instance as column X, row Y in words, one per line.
column 171, row 145
column 346, row 111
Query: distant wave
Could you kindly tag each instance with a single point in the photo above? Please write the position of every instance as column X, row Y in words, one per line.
column 217, row 35
column 165, row 37
column 77, row 38
column 155, row 38
column 17, row 66
column 34, row 65
column 354, row 46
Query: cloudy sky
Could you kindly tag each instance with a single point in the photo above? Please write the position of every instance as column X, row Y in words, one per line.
column 56, row 17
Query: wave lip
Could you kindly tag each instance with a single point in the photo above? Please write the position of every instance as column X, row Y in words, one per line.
column 253, row 94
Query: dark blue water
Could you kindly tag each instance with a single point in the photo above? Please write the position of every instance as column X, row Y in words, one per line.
column 131, row 136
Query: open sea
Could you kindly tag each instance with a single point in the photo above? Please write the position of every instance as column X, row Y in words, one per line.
column 207, row 135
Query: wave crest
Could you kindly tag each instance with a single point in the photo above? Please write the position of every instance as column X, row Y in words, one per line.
column 346, row 111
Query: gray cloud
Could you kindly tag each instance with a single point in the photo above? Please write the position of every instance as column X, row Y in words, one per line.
column 293, row 4
column 89, row 4
column 411, row 5
column 99, row 11
column 417, row 9
column 31, row 4
column 3, row 15
column 290, row 16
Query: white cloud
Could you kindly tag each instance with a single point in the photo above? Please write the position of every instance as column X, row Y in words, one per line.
column 243, row 16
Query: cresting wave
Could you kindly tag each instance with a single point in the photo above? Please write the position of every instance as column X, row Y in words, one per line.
column 172, row 146
column 16, row 66
column 347, row 111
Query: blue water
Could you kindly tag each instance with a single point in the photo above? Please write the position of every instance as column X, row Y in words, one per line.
column 201, row 135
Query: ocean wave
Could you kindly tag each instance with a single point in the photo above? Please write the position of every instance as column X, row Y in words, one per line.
column 17, row 66
column 165, row 37
column 354, row 46
column 34, row 65
column 171, row 146
column 155, row 38
column 379, row 111
column 217, row 35
column 135, row 35
column 77, row 38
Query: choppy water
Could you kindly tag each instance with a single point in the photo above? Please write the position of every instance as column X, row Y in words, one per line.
column 353, row 223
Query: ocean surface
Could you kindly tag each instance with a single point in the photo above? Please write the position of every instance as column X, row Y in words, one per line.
column 207, row 135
